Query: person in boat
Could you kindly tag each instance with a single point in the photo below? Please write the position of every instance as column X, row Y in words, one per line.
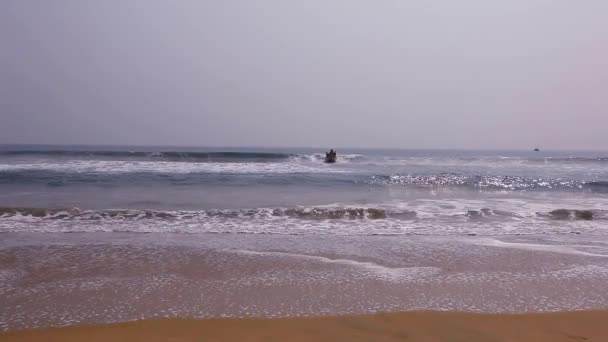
column 330, row 157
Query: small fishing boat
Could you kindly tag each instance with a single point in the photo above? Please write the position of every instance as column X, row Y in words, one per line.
column 331, row 156
column 537, row 149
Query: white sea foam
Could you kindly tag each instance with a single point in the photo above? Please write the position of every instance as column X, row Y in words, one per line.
column 563, row 249
column 316, row 157
column 378, row 271
column 117, row 166
column 423, row 216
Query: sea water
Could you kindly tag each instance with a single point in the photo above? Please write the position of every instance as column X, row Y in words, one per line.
column 100, row 234
column 292, row 191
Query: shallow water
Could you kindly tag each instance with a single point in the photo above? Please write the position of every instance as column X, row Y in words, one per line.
column 57, row 279
column 369, row 192
column 107, row 234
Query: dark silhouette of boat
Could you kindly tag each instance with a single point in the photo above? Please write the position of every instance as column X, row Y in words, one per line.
column 331, row 156
column 537, row 149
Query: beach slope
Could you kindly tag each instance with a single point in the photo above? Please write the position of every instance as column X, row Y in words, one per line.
column 411, row 326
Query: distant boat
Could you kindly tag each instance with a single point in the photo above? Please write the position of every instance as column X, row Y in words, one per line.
column 537, row 149
column 331, row 156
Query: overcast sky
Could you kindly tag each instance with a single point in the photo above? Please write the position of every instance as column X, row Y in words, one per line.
column 403, row 73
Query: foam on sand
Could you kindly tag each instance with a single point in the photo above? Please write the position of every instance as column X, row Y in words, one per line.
column 563, row 249
column 377, row 270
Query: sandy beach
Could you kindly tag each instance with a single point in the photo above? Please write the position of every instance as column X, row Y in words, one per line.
column 303, row 171
column 413, row 326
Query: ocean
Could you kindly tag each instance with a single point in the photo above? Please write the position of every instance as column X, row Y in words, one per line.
column 100, row 234
column 291, row 191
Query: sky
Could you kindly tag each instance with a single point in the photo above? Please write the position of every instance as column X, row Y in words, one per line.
column 321, row 73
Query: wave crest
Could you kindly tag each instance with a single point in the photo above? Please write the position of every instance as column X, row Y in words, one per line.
column 156, row 155
column 310, row 213
column 265, row 213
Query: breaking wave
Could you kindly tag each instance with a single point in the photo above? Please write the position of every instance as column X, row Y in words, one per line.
column 158, row 155
column 573, row 159
column 137, row 214
column 378, row 220
column 312, row 213
column 319, row 157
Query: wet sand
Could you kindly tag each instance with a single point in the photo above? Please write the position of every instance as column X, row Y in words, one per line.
column 58, row 280
column 412, row 326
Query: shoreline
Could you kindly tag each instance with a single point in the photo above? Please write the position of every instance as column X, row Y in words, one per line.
column 56, row 280
column 414, row 326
